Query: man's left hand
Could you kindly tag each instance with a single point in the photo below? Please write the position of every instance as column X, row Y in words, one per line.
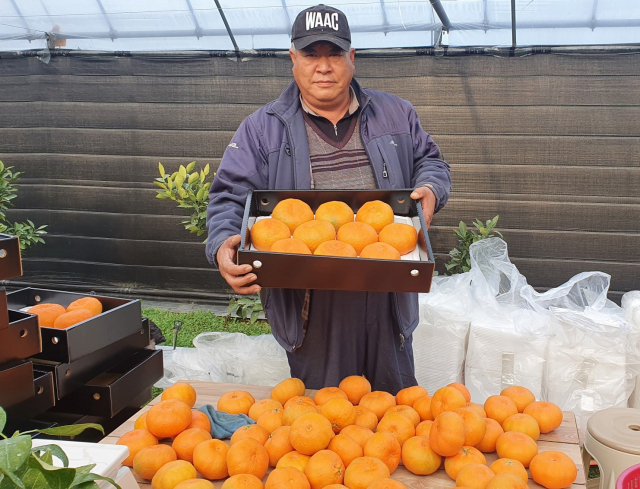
column 428, row 202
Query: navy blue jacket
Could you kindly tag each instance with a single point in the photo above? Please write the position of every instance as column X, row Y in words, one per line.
column 270, row 152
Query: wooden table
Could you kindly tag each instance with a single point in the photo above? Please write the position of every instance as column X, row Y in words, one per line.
column 564, row 439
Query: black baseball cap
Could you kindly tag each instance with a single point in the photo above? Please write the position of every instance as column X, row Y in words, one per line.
column 321, row 23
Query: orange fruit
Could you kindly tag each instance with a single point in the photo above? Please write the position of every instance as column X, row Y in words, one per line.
column 337, row 213
column 387, row 484
column 523, row 423
column 380, row 251
column 292, row 212
column 491, row 435
column 335, row 486
column 200, row 420
column 478, row 408
column 141, row 422
column 325, row 467
column 90, row 303
column 402, row 237
column 335, row 248
column 520, row 395
column 355, row 386
column 298, row 400
column 265, row 232
column 463, row 390
column 446, row 399
column 195, row 484
column 148, row 460
column 290, row 245
column 466, row 456
column 235, row 402
column 547, row 414
column 347, row 449
column 248, row 456
column 419, row 458
column 312, row 233
column 185, row 443
column 294, row 459
column 385, row 447
column 292, row 412
column 287, row 478
column 278, row 444
column 358, row 235
column 500, row 408
column 182, row 391
column 506, row 481
column 255, row 431
column 408, row 395
column 310, row 433
column 243, row 481
column 407, row 411
column 422, row 405
column 47, row 313
column 509, row 466
column 517, row 446
column 261, row 406
column 378, row 402
column 287, row 389
column 447, row 434
column 398, row 425
column 366, row 418
column 173, row 473
column 340, row 412
column 553, row 470
column 326, row 393
column 474, row 426
column 72, row 318
column 136, row 440
column 364, row 471
column 271, row 420
column 424, row 428
column 357, row 433
column 210, row 459
column 376, row 213
column 474, row 476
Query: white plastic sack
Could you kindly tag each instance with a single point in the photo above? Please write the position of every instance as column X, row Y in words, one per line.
column 440, row 340
column 181, row 364
column 631, row 305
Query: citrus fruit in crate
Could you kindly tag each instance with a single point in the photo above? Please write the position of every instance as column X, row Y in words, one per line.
column 294, row 459
column 524, row 424
column 168, row 418
column 326, row 393
column 357, row 433
column 402, row 237
column 384, row 447
column 287, row 389
column 422, row 405
column 172, row 474
column 325, row 467
column 243, row 481
column 335, row 248
column 292, row 212
column 210, row 459
column 261, row 406
column 387, row 484
column 254, row 431
column 235, row 402
column 520, row 395
column 346, row 447
column 313, row 233
column 398, row 425
column 407, row 411
column 355, row 386
column 299, row 400
column 463, row 390
column 492, row 433
column 180, row 390
column 195, row 484
column 297, row 410
column 248, row 456
column 290, row 245
column 200, row 420
column 364, row 471
column 339, row 412
column 517, row 446
column 509, row 466
column 136, row 440
column 419, row 458
column 376, row 214
column 466, row 456
column 271, row 420
column 547, row 414
column 141, row 422
column 357, row 234
column 265, row 232
column 337, row 213
column 90, row 303
column 149, row 460
column 408, row 395
column 378, row 402
column 310, row 433
column 500, row 408
column 278, row 444
column 446, row 399
column 478, row 408
column 474, row 476
column 424, row 428
column 447, row 434
column 380, row 251
column 47, row 313
column 474, row 426
column 287, row 478
column 506, row 481
column 72, row 318
column 553, row 470
column 185, row 443
column 366, row 418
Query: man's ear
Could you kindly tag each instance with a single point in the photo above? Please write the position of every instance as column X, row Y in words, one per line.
column 352, row 55
column 293, row 56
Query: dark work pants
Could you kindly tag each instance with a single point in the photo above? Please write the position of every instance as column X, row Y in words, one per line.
column 353, row 333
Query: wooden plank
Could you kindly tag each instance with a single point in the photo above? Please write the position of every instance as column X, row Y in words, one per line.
column 424, row 90
column 565, row 433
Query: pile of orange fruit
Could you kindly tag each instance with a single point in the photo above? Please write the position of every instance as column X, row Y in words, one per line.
column 293, row 228
column 349, row 437
column 52, row 315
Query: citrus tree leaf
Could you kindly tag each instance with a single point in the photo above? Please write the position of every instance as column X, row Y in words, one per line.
column 11, row 477
column 71, row 430
column 3, row 419
column 53, row 450
column 84, row 479
column 14, row 452
column 55, row 477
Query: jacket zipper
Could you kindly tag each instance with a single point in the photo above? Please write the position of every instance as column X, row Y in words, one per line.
column 375, row 175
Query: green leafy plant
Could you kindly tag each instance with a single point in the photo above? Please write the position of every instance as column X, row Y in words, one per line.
column 26, row 467
column 246, row 308
column 459, row 258
column 190, row 190
column 27, row 233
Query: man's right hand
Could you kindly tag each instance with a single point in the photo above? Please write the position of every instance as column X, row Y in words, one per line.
column 237, row 276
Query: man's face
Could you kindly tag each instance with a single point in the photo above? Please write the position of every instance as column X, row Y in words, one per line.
column 323, row 71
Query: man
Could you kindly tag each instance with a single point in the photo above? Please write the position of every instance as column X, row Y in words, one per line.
column 326, row 131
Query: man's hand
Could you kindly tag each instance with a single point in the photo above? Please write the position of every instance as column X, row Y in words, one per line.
column 428, row 202
column 237, row 276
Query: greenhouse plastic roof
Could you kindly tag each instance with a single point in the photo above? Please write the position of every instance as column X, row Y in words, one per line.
column 169, row 25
